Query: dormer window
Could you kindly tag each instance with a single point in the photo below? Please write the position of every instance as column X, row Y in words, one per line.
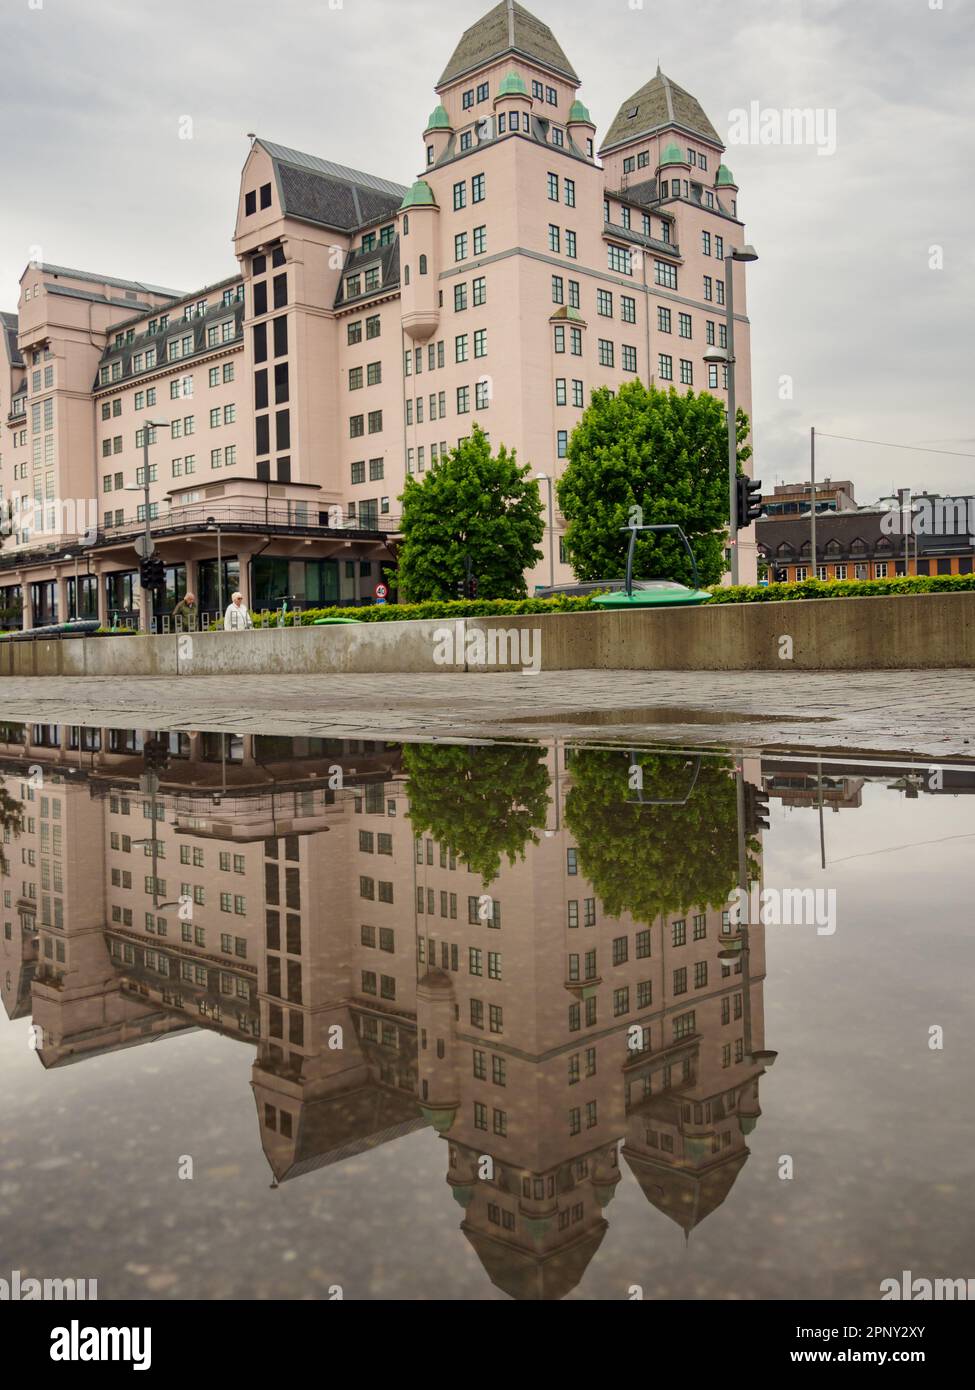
column 369, row 241
column 631, row 113
column 353, row 286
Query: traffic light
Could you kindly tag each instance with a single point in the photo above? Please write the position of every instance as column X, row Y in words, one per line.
column 461, row 589
column 756, row 809
column 155, row 754
column 152, row 572
column 749, row 499
column 472, row 587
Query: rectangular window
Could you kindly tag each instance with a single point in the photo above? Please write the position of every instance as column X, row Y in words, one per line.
column 460, row 246
column 665, row 367
column 628, row 358
column 665, row 274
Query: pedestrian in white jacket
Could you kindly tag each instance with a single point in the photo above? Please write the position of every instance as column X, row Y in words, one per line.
column 237, row 618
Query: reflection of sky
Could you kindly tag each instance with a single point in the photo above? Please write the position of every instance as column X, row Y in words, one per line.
column 878, row 1127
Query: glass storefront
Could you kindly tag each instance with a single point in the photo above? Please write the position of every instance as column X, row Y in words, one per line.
column 88, row 593
column 303, row 583
column 209, row 597
column 44, row 603
column 120, row 594
column 11, row 606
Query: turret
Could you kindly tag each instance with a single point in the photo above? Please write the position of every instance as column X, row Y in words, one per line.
column 419, row 261
column 512, row 105
column 437, row 135
column 581, row 128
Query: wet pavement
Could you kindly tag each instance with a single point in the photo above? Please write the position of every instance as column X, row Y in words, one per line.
column 290, row 1014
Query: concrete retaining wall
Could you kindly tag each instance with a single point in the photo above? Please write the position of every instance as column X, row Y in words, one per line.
column 907, row 632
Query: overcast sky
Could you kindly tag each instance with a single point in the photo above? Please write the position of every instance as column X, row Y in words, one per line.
column 843, row 300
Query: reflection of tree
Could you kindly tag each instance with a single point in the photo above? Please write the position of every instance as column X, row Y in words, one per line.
column 12, row 819
column 652, row 860
column 478, row 802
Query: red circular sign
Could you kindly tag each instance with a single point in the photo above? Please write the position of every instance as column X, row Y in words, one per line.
column 381, row 591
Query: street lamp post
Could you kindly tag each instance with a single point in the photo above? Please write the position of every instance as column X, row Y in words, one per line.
column 147, row 427
column 544, row 478
column 726, row 357
column 212, row 521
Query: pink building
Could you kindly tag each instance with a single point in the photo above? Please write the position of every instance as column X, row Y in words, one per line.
column 369, row 327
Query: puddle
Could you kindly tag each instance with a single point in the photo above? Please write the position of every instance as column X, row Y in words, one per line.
column 282, row 1016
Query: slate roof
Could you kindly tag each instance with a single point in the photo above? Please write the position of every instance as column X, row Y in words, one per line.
column 331, row 195
column 8, row 322
column 659, row 103
column 359, row 261
column 508, row 28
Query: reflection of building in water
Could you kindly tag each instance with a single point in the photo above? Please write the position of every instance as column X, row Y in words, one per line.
column 799, row 788
column 381, row 985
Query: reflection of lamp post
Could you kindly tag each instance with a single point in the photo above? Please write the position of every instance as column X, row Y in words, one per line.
column 544, row 478
column 726, row 357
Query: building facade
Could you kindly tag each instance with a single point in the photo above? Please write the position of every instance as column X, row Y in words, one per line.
column 369, row 326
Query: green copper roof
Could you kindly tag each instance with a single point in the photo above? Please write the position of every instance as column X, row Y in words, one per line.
column 748, row 1124
column 672, row 155
column 724, row 175
column 567, row 313
column 441, row 1120
column 512, row 85
column 439, row 120
column 419, row 196
column 462, row 1195
column 580, row 112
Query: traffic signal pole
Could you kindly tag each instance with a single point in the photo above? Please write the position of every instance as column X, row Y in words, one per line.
column 732, row 418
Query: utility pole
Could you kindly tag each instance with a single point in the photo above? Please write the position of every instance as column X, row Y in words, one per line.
column 812, row 500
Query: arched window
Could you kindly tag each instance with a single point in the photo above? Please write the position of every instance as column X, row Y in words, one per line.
column 406, row 275
column 406, row 224
column 423, row 265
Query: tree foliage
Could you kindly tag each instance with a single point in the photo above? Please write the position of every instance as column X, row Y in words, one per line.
column 471, row 503
column 660, row 451
column 650, row 860
column 479, row 802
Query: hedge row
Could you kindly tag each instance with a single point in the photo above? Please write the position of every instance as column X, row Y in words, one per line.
column 459, row 608
column 843, row 588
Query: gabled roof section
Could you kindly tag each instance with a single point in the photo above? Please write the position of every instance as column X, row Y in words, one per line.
column 658, row 104
column 508, row 28
column 316, row 190
column 8, row 325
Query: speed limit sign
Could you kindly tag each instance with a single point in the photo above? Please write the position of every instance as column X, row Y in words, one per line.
column 381, row 592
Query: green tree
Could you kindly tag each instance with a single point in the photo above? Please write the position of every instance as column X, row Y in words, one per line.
column 660, row 451
column 650, row 859
column 479, row 802
column 470, row 503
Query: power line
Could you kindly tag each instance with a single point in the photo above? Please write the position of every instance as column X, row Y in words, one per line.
column 883, row 444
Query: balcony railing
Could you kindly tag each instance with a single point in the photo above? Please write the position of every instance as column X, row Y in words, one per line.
column 304, row 517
